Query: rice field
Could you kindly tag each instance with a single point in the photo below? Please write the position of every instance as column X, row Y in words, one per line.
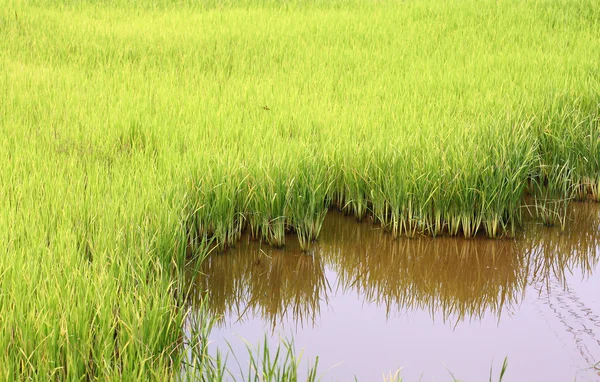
column 135, row 136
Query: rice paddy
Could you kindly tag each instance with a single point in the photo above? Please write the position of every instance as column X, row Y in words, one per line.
column 135, row 137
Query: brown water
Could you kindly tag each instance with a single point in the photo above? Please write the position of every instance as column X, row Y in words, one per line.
column 367, row 304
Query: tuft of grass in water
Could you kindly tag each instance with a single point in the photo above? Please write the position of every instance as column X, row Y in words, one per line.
column 491, row 378
column 395, row 377
column 502, row 370
column 197, row 363
column 273, row 365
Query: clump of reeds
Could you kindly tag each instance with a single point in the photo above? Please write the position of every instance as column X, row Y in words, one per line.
column 268, row 214
column 552, row 190
column 216, row 205
column 280, row 364
column 309, row 201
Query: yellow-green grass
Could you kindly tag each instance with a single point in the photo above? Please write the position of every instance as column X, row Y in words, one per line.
column 133, row 131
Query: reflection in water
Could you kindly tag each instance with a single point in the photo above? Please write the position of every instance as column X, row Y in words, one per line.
column 261, row 281
column 574, row 317
column 552, row 257
column 420, row 302
column 457, row 279
column 554, row 254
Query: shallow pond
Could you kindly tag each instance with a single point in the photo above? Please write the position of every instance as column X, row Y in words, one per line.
column 367, row 304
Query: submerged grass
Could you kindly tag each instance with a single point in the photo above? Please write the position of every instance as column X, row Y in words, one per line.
column 130, row 131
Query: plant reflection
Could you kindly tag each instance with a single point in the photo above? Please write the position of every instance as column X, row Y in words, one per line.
column 452, row 279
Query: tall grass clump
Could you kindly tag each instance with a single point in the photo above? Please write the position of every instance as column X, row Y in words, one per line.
column 217, row 202
column 269, row 208
column 569, row 152
column 569, row 133
column 309, row 201
column 279, row 364
column 351, row 192
column 504, row 176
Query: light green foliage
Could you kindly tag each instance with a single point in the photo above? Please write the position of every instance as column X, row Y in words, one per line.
column 132, row 132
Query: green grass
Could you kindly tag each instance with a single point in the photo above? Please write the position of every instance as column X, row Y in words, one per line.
column 133, row 133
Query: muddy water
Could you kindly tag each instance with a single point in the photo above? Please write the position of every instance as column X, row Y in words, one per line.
column 367, row 304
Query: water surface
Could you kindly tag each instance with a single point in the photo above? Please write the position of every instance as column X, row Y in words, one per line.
column 367, row 304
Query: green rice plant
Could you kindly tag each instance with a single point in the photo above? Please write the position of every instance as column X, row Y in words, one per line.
column 509, row 165
column 355, row 188
column 502, row 370
column 500, row 377
column 589, row 154
column 309, row 201
column 593, row 186
column 397, row 193
column 268, row 208
column 378, row 177
column 197, row 363
column 217, row 206
column 280, row 364
column 568, row 133
column 552, row 193
column 395, row 377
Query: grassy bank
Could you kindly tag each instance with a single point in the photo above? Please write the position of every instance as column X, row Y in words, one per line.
column 130, row 130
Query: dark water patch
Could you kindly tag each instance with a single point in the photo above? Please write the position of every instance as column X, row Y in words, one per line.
column 369, row 304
